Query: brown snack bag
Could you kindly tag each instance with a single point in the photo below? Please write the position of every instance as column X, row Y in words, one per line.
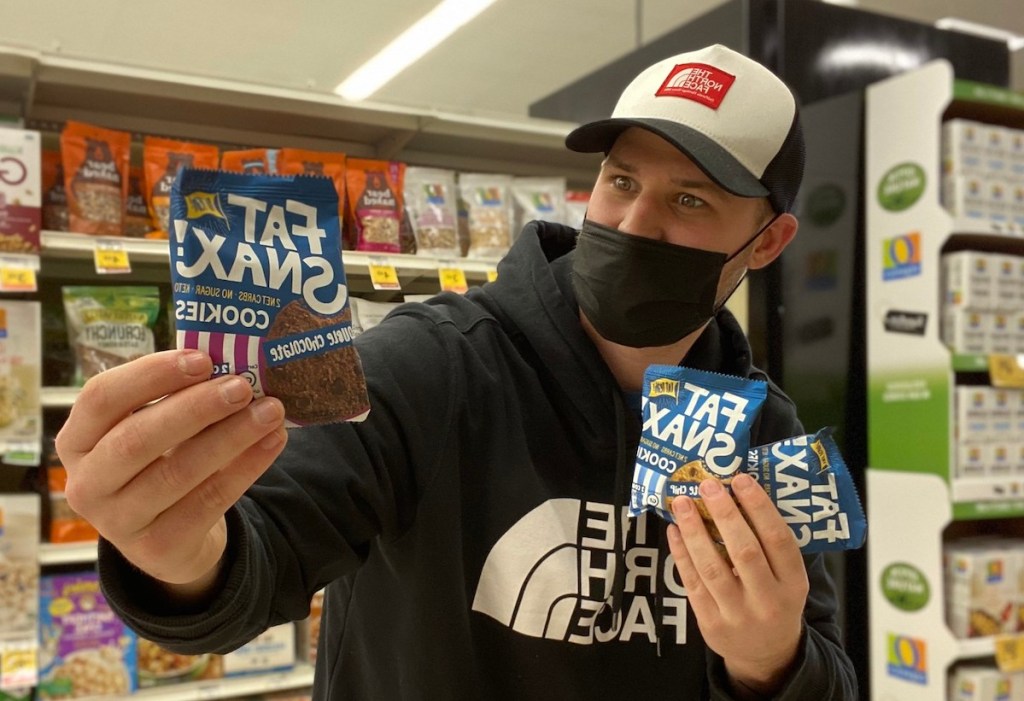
column 375, row 204
column 162, row 160
column 254, row 161
column 55, row 199
column 95, row 177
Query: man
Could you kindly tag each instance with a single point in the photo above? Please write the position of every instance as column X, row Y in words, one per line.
column 471, row 533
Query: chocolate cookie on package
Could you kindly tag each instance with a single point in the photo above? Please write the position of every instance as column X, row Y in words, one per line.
column 319, row 388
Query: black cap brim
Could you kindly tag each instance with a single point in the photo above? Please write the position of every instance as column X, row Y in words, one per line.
column 711, row 158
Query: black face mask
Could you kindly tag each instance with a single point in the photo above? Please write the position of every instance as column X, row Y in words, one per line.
column 641, row 292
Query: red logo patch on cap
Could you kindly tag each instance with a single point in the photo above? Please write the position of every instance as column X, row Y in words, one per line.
column 698, row 82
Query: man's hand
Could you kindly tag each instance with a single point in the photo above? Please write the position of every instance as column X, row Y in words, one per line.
column 751, row 613
column 156, row 477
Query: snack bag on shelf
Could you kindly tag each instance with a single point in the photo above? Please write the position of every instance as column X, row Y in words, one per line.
column 162, row 160
column 158, row 666
column 20, row 190
column 108, row 326
column 485, row 213
column 136, row 217
column 95, row 177
column 19, row 564
column 297, row 161
column 374, row 192
column 253, row 161
column 431, row 205
column 273, row 649
column 542, row 199
column 259, row 284
column 65, row 525
column 55, row 199
column 84, row 648
column 576, row 203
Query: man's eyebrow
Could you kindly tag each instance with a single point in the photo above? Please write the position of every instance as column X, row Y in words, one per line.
column 689, row 184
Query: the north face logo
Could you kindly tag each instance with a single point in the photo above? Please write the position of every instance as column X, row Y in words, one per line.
column 698, row 82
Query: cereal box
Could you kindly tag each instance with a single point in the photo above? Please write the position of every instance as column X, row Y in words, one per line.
column 19, row 565
column 85, row 649
column 21, row 414
column 273, row 649
column 20, row 191
column 981, row 579
column 159, row 667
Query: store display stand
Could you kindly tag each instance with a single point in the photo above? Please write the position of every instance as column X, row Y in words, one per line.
column 913, row 494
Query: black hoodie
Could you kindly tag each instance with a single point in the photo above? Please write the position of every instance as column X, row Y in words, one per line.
column 470, row 532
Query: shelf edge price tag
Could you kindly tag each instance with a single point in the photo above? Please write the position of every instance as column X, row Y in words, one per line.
column 18, row 273
column 1006, row 370
column 1010, row 653
column 111, row 257
column 19, row 665
column 452, row 278
column 383, row 274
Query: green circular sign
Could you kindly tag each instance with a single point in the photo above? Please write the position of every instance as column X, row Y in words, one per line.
column 901, row 187
column 825, row 204
column 905, row 586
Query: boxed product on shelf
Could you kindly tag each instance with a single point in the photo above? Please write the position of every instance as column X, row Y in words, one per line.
column 85, row 649
column 20, row 190
column 975, row 682
column 19, row 565
column 966, row 196
column 971, row 413
column 982, row 589
column 158, row 666
column 995, row 149
column 966, row 330
column 969, row 280
column 972, row 459
column 21, row 414
column 273, row 649
column 963, row 146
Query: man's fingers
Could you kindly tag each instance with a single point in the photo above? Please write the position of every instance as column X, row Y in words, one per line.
column 700, row 564
column 744, row 548
column 110, row 396
column 776, row 538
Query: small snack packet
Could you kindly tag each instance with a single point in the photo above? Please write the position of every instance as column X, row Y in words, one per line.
column 696, row 425
column 540, row 199
column 259, row 284
column 808, row 481
column 95, row 177
column 431, row 203
column 576, row 203
column 485, row 211
column 253, row 161
column 297, row 161
column 55, row 199
column 136, row 217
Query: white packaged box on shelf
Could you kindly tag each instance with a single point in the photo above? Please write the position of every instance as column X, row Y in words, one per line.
column 971, row 414
column 1008, row 282
column 969, row 279
column 998, row 193
column 963, row 148
column 966, row 330
column 996, row 150
column 272, row 649
column 984, row 683
column 1017, row 205
column 1018, row 461
column 972, row 459
column 1002, row 413
column 1001, row 458
column 964, row 197
column 1001, row 337
column 981, row 592
column 1015, row 150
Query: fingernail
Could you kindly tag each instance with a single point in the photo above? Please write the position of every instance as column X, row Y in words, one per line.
column 234, row 389
column 710, row 488
column 267, row 411
column 742, row 483
column 194, row 362
column 682, row 506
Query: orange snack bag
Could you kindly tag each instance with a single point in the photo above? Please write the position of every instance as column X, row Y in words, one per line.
column 375, row 206
column 136, row 218
column 95, row 177
column 254, row 161
column 162, row 160
column 297, row 161
column 65, row 525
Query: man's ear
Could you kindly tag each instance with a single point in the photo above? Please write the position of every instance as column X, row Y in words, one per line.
column 773, row 241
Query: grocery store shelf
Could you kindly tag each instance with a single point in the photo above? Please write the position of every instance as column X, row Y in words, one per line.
column 67, row 553
column 975, row 647
column 59, row 397
column 297, row 678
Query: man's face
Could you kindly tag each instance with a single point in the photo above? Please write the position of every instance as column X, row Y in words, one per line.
column 647, row 187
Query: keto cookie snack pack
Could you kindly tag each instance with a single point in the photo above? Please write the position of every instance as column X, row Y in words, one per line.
column 258, row 283
column 697, row 425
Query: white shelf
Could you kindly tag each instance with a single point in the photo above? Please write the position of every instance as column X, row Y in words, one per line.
column 301, row 676
column 975, row 647
column 58, row 397
column 67, row 553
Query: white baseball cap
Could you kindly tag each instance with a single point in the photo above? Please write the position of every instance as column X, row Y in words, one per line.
column 729, row 114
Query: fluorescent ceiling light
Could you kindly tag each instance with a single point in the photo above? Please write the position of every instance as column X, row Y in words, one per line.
column 1013, row 41
column 433, row 28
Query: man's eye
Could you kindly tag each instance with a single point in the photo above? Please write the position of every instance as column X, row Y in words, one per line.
column 621, row 182
column 691, row 201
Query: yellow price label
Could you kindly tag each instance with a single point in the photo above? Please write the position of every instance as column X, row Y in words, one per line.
column 383, row 275
column 111, row 257
column 1006, row 370
column 492, row 275
column 1010, row 653
column 452, row 280
column 18, row 667
column 18, row 280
